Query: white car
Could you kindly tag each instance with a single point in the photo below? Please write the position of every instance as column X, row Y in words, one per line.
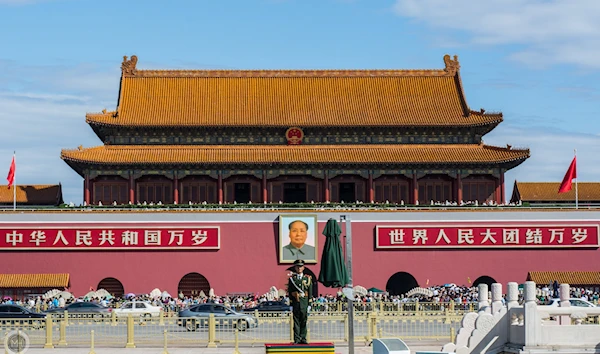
column 574, row 302
column 138, row 308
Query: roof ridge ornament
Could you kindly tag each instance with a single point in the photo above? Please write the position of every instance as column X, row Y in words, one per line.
column 452, row 65
column 128, row 66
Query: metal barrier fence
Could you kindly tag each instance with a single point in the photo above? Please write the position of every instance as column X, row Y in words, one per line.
column 410, row 308
column 130, row 332
column 401, row 308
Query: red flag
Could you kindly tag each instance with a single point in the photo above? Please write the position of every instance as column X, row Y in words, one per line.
column 11, row 172
column 565, row 186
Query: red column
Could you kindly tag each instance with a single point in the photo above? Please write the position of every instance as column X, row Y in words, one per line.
column 131, row 188
column 86, row 189
column 497, row 191
column 502, row 192
column 326, row 186
column 264, row 187
column 176, row 190
column 370, row 186
column 220, row 187
column 459, row 189
column 415, row 186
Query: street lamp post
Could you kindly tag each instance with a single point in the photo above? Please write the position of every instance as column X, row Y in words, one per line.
column 350, row 296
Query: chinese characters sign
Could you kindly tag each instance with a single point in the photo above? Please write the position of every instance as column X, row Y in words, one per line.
column 108, row 236
column 489, row 235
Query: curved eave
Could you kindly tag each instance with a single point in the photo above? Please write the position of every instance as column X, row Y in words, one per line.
column 77, row 167
column 509, row 165
column 99, row 130
column 484, row 129
column 92, row 118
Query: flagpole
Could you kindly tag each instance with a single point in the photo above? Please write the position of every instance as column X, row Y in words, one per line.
column 14, row 184
column 576, row 189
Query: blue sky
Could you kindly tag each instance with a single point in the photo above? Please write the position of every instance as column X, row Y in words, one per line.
column 537, row 61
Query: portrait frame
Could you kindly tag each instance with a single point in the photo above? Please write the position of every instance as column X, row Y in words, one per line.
column 312, row 239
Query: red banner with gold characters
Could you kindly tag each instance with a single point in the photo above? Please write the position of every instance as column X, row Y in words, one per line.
column 493, row 234
column 137, row 236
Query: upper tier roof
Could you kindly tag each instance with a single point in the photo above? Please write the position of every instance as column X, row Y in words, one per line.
column 284, row 98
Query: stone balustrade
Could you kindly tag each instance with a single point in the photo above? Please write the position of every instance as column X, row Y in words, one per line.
column 528, row 327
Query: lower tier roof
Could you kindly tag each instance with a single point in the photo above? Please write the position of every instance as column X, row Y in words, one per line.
column 39, row 194
column 59, row 281
column 565, row 277
column 294, row 154
column 548, row 192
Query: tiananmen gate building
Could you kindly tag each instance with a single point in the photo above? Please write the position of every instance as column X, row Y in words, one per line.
column 381, row 142
column 225, row 136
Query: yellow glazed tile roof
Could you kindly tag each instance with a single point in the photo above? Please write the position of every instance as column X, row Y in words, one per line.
column 58, row 281
column 284, row 98
column 297, row 154
column 40, row 194
column 573, row 278
column 548, row 191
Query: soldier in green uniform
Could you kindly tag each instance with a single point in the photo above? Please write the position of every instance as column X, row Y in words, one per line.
column 300, row 290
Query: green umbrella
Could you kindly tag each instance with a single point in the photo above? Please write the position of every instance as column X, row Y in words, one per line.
column 375, row 290
column 333, row 268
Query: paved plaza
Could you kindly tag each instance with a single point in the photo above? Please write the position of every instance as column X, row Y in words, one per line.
column 221, row 350
column 149, row 339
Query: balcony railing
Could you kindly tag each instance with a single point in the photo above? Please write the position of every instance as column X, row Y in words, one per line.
column 270, row 207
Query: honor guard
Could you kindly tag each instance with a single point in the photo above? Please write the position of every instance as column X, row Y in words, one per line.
column 300, row 291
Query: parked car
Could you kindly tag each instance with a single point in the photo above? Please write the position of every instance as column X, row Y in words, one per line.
column 197, row 316
column 574, row 302
column 9, row 314
column 138, row 308
column 83, row 309
column 270, row 306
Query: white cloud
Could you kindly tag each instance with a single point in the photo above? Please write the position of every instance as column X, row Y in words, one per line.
column 546, row 31
column 551, row 153
column 43, row 111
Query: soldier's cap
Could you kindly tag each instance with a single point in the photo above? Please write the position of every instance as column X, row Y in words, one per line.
column 299, row 262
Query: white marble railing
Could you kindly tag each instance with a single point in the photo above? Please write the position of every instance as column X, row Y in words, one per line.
column 497, row 328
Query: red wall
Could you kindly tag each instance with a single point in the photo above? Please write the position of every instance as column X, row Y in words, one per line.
column 248, row 262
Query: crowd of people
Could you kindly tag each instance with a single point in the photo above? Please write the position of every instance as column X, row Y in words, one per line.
column 551, row 291
column 466, row 296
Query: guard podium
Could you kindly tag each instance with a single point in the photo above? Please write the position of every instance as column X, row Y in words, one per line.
column 390, row 346
column 291, row 348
